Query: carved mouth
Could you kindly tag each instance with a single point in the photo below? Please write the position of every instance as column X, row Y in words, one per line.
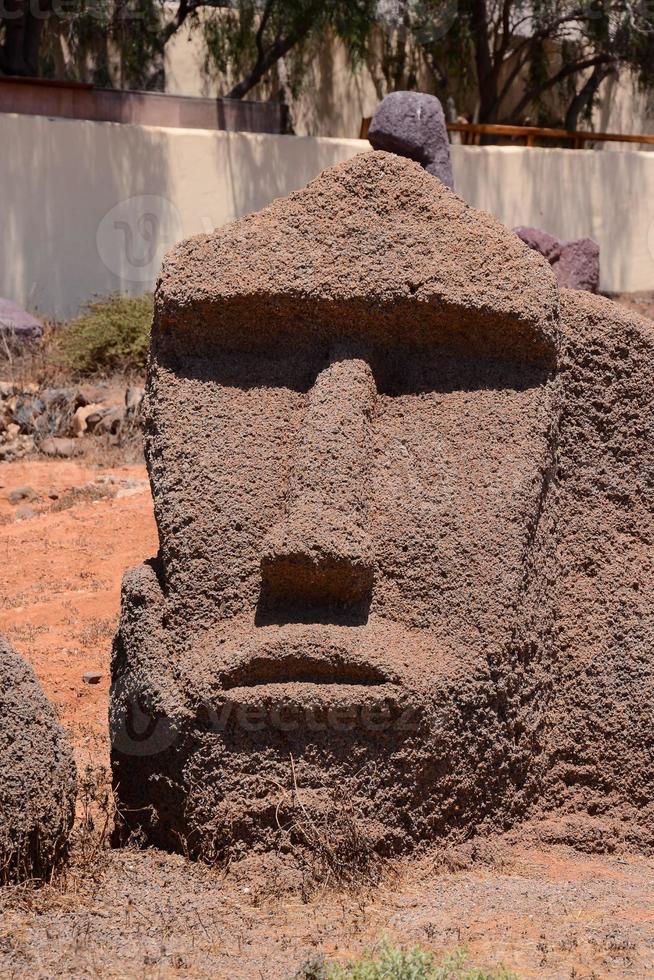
column 297, row 668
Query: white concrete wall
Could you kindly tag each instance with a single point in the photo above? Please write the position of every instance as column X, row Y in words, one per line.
column 90, row 208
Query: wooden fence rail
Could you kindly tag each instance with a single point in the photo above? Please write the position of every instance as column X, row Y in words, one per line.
column 472, row 134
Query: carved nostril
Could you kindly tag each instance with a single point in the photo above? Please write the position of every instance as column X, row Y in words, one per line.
column 321, row 551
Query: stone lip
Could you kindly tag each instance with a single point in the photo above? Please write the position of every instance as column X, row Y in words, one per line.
column 235, row 656
column 372, row 246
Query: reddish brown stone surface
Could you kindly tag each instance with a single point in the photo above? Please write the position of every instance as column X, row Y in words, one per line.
column 37, row 790
column 379, row 456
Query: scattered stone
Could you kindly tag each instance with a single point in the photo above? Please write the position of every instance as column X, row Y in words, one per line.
column 37, row 775
column 61, row 413
column 24, row 512
column 17, row 448
column 83, row 415
column 97, row 393
column 133, row 398
column 132, row 491
column 22, row 493
column 412, row 124
column 7, row 388
column 579, row 265
column 576, row 264
column 18, row 323
column 92, row 677
column 111, row 421
column 58, row 396
column 58, row 446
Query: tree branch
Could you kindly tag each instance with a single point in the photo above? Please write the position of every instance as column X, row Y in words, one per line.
column 265, row 62
column 585, row 95
column 565, row 72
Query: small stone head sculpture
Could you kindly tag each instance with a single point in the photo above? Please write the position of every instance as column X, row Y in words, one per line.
column 352, row 422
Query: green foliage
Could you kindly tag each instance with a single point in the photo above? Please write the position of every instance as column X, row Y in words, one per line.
column 112, row 43
column 536, row 60
column 509, row 61
column 390, row 962
column 111, row 335
column 249, row 37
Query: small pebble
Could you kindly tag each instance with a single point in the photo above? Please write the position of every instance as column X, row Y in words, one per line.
column 21, row 493
column 92, row 677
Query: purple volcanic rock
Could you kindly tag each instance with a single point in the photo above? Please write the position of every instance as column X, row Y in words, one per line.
column 412, row 124
column 575, row 264
column 18, row 322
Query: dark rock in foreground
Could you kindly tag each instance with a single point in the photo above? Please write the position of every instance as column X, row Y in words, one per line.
column 37, row 775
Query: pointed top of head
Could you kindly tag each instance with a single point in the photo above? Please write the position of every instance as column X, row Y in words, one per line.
column 374, row 246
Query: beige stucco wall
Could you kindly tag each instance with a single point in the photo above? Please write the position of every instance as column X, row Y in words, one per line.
column 89, row 208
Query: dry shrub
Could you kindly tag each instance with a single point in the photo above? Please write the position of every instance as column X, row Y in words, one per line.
column 112, row 334
column 87, row 846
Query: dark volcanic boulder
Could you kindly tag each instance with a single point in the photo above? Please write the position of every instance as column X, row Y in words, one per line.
column 37, row 775
column 412, row 124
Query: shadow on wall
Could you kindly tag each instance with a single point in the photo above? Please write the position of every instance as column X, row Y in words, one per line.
column 93, row 207
column 84, row 210
column 571, row 194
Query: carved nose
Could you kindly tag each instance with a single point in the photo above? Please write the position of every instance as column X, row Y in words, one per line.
column 321, row 552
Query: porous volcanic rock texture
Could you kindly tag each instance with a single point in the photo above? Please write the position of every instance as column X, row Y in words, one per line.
column 354, row 436
column 576, row 264
column 37, row 775
column 598, row 751
column 412, row 124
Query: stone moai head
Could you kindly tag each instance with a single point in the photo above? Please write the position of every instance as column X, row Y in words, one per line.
column 352, row 421
column 412, row 124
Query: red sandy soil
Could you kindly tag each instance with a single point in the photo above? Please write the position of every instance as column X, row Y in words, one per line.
column 542, row 911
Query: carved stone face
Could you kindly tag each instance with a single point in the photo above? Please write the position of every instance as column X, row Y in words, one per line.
column 347, row 520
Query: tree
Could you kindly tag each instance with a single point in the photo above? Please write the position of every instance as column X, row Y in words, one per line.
column 510, row 61
column 23, row 25
column 546, row 58
column 252, row 36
